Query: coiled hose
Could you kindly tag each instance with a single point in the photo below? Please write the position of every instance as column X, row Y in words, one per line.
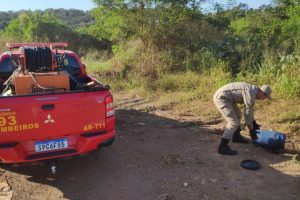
column 38, row 59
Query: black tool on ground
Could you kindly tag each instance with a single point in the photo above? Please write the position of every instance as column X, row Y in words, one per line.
column 250, row 164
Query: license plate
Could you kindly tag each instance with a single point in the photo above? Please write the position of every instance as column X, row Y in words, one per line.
column 51, row 145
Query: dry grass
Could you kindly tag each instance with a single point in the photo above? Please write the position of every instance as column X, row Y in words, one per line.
column 189, row 93
column 279, row 115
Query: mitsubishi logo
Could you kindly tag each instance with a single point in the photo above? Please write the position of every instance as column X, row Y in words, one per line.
column 49, row 119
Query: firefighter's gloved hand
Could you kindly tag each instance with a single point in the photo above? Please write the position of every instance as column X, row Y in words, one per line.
column 253, row 134
column 256, row 126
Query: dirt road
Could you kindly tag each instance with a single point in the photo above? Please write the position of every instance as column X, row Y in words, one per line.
column 160, row 156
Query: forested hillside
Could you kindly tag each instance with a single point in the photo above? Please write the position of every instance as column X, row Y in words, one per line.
column 71, row 17
column 6, row 17
column 149, row 44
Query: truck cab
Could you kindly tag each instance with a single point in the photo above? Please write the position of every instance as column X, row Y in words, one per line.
column 8, row 64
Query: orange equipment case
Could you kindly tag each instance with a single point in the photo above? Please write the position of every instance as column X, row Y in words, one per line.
column 24, row 84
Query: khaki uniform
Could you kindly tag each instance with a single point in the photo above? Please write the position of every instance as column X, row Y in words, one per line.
column 226, row 99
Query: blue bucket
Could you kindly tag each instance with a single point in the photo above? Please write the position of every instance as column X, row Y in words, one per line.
column 270, row 139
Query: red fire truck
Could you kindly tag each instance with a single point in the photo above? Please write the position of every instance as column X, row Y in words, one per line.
column 49, row 106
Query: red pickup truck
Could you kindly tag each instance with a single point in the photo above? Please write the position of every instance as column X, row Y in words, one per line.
column 49, row 124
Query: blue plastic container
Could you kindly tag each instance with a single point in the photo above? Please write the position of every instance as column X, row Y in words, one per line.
column 270, row 139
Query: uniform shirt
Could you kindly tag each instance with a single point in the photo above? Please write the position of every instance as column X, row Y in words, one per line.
column 240, row 93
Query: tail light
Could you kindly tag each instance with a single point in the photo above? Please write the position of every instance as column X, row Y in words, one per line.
column 109, row 106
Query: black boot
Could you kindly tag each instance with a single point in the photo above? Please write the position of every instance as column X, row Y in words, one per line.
column 225, row 149
column 238, row 138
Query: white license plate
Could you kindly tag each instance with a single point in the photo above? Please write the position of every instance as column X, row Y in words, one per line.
column 51, row 145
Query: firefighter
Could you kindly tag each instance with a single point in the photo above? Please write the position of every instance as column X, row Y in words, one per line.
column 226, row 99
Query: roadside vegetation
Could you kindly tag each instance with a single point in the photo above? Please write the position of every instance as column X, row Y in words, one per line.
column 175, row 53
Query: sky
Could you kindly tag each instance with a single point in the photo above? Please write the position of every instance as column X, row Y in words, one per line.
column 14, row 5
column 251, row 3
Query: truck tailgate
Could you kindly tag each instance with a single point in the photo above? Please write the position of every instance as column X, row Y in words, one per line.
column 31, row 120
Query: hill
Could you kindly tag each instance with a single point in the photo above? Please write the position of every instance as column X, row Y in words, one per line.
column 73, row 18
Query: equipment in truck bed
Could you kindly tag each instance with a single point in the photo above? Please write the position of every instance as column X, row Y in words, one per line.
column 38, row 58
column 41, row 83
column 42, row 69
column 40, row 72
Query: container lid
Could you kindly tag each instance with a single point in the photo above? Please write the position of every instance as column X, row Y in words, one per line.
column 250, row 164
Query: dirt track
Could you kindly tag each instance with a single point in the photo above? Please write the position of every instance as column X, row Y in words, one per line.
column 160, row 156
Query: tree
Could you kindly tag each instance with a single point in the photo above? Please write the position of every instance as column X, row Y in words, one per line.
column 108, row 25
column 291, row 28
column 37, row 27
column 286, row 3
